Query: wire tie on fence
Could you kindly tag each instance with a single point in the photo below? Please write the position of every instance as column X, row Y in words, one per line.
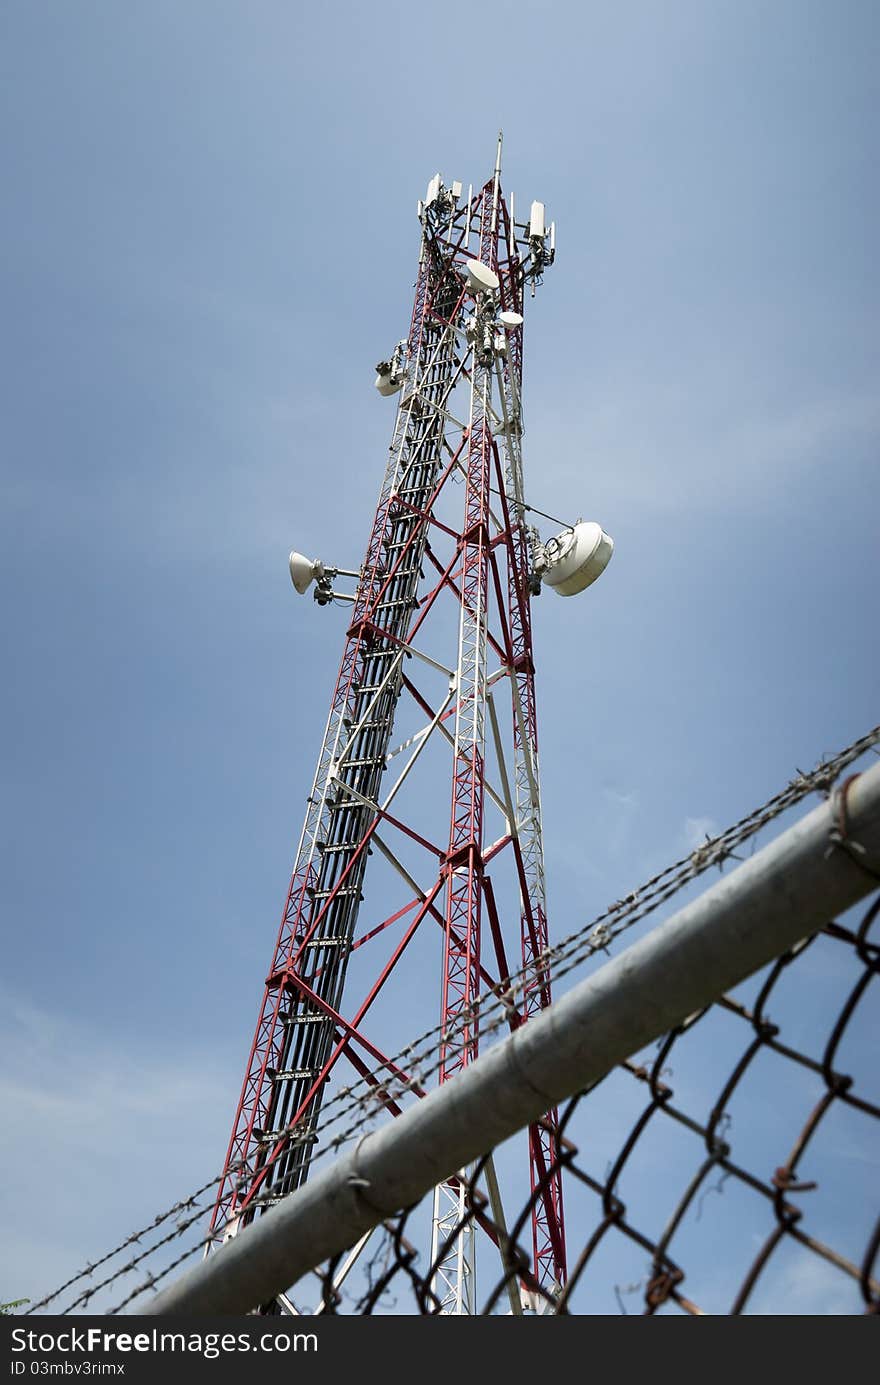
column 839, row 834
column 840, row 805
column 786, row 1181
column 662, row 1285
column 358, row 1183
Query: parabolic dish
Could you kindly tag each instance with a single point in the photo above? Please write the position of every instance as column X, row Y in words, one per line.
column 583, row 555
column 480, row 278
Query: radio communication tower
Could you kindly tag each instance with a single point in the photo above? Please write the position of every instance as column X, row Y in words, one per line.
column 439, row 649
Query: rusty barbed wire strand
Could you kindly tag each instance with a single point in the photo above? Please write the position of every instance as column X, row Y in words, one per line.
column 495, row 1008
column 179, row 1230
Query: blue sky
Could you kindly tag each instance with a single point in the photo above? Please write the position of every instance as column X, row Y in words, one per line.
column 210, row 238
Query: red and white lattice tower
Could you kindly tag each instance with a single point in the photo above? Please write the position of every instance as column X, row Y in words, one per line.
column 439, row 651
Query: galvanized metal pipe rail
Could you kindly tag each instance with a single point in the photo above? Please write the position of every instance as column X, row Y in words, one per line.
column 789, row 890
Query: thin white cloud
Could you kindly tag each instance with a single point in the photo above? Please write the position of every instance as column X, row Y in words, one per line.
column 665, row 450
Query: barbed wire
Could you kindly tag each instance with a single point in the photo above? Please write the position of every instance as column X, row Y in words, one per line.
column 370, row 1094
column 495, row 1008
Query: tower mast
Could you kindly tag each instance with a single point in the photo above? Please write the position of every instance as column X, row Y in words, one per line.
column 451, row 506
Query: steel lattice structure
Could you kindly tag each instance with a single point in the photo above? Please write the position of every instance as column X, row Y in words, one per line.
column 431, row 561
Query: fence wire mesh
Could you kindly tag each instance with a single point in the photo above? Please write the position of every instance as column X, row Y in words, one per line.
column 743, row 1183
column 635, row 1195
